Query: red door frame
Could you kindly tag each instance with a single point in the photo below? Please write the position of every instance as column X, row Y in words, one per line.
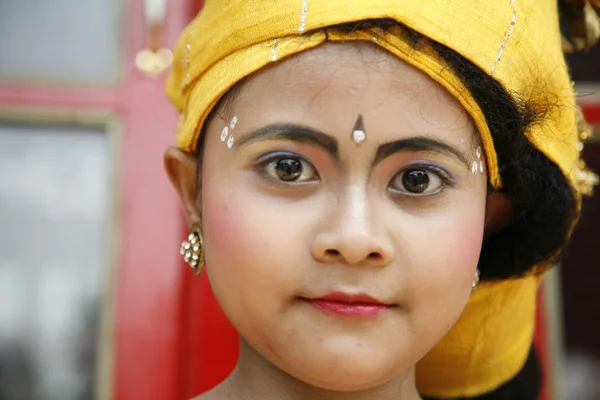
column 149, row 275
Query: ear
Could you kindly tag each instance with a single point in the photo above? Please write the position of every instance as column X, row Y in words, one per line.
column 499, row 213
column 181, row 167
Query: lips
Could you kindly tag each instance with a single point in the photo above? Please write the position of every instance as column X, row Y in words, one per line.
column 352, row 305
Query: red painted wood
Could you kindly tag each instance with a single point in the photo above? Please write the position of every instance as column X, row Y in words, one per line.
column 592, row 113
column 211, row 342
column 148, row 319
column 92, row 97
column 148, row 323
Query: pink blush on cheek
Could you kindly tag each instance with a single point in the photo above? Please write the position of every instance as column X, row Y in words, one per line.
column 231, row 232
column 466, row 241
column 221, row 228
column 455, row 249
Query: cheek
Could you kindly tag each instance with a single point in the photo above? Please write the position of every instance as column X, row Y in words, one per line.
column 450, row 242
column 462, row 238
column 232, row 231
column 444, row 274
column 242, row 247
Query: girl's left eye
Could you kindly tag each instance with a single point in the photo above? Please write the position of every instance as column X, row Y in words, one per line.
column 290, row 169
column 419, row 181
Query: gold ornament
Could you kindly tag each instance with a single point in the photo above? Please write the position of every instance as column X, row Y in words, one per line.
column 583, row 20
column 192, row 251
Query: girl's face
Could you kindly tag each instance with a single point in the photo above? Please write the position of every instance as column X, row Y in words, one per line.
column 342, row 262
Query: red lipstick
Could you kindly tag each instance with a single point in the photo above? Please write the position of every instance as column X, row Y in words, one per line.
column 354, row 305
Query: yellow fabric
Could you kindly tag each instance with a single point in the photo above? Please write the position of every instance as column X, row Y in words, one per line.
column 517, row 42
column 488, row 345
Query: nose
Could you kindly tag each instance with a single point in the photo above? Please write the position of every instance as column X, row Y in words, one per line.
column 353, row 234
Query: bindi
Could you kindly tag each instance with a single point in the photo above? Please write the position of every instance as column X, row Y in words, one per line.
column 358, row 132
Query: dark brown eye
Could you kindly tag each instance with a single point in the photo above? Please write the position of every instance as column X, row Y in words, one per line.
column 290, row 170
column 417, row 181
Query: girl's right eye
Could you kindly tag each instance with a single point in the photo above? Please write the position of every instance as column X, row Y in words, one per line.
column 289, row 169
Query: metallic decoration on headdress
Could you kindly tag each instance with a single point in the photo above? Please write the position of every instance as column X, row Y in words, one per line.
column 302, row 26
column 583, row 20
column 585, row 179
column 274, row 53
column 509, row 32
column 155, row 58
column 186, row 61
column 192, row 250
column 358, row 132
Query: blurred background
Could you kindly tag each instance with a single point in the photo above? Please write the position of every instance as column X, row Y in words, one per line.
column 94, row 300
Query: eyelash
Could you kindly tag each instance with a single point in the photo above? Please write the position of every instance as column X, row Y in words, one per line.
column 264, row 161
column 446, row 178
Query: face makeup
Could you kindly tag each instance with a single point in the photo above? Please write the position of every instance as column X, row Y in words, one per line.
column 358, row 305
column 225, row 132
column 358, row 132
column 335, row 260
column 478, row 165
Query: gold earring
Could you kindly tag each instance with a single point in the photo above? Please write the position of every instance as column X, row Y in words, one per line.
column 192, row 250
column 476, row 280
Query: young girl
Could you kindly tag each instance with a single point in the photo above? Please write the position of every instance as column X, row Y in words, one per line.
column 350, row 170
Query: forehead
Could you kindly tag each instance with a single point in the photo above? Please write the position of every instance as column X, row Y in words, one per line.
column 358, row 77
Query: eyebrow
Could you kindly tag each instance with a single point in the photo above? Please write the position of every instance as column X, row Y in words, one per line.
column 420, row 144
column 304, row 134
column 296, row 133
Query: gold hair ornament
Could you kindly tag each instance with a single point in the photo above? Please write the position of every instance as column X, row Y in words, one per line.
column 583, row 20
column 585, row 179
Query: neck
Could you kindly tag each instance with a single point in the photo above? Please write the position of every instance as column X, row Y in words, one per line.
column 256, row 378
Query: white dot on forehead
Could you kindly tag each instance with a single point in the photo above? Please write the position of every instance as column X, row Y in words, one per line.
column 230, row 142
column 478, row 152
column 224, row 134
column 233, row 122
column 481, row 167
column 358, row 136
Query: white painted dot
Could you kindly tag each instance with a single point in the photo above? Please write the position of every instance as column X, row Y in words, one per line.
column 230, row 142
column 224, row 134
column 233, row 122
column 474, row 167
column 359, row 136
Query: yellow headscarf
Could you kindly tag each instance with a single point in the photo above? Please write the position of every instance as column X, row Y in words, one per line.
column 517, row 42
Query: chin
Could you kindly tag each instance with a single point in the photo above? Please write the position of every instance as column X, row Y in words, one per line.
column 347, row 380
column 348, row 373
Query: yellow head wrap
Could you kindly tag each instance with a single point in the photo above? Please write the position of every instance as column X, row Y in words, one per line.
column 517, row 42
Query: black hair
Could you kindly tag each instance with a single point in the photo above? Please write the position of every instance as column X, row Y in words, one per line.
column 544, row 205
